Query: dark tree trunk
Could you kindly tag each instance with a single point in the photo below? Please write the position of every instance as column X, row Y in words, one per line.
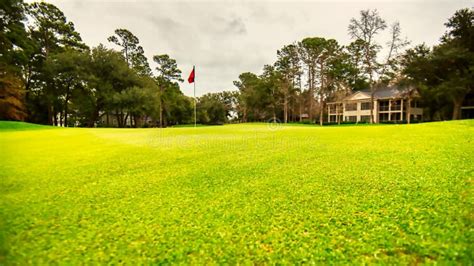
column 66, row 109
column 119, row 117
column 50, row 115
column 321, row 95
column 55, row 117
column 161, row 106
column 311, row 95
column 372, row 98
column 125, row 120
column 301, row 109
column 321, row 113
column 457, row 103
column 94, row 118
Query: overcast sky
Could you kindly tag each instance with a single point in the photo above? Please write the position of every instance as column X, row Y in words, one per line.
column 226, row 38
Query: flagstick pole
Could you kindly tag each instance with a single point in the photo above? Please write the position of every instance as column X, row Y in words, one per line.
column 194, row 83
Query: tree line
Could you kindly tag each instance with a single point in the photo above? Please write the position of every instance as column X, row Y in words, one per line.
column 49, row 76
column 309, row 73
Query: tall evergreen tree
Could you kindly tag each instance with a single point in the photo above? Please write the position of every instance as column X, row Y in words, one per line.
column 355, row 60
column 288, row 64
column 132, row 52
column 51, row 33
column 168, row 73
column 13, row 44
column 445, row 74
column 69, row 72
column 456, row 55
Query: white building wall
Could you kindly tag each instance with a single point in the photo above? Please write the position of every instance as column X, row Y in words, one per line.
column 358, row 113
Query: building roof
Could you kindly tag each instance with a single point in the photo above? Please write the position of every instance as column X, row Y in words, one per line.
column 381, row 93
column 387, row 92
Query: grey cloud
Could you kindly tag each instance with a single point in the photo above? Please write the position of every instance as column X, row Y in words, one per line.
column 221, row 25
column 164, row 22
column 236, row 25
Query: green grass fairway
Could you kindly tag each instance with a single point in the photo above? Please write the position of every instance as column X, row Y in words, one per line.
column 237, row 194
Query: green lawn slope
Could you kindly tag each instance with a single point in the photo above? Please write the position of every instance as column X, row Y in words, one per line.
column 16, row 126
column 247, row 194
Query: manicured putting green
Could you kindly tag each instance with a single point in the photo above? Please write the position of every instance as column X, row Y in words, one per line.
column 232, row 194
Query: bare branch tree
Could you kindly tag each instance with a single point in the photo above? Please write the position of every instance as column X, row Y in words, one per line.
column 366, row 28
column 395, row 45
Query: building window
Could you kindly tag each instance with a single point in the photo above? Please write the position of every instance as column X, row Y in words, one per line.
column 414, row 104
column 383, row 106
column 365, row 118
column 365, row 106
column 395, row 117
column 351, row 118
column 351, row 107
column 396, row 105
column 383, row 117
column 332, row 108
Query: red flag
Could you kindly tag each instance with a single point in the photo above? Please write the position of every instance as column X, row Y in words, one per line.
column 191, row 77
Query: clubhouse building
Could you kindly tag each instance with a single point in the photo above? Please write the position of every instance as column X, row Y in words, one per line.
column 391, row 104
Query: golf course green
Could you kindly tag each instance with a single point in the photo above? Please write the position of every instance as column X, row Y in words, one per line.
column 237, row 194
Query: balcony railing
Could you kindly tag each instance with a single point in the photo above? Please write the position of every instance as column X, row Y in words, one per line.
column 396, row 108
column 383, row 108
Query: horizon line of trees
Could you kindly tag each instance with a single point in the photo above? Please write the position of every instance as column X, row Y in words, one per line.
column 309, row 73
column 49, row 76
